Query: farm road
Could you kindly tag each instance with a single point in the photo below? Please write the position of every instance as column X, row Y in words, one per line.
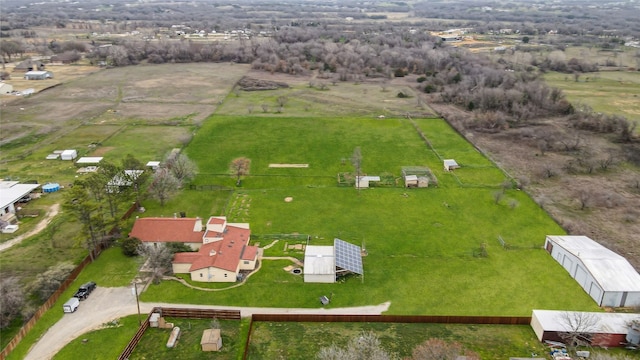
column 53, row 211
column 107, row 304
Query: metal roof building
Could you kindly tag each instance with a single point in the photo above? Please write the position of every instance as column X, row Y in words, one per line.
column 605, row 329
column 322, row 264
column 606, row 276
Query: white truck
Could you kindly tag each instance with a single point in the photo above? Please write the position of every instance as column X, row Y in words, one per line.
column 71, row 305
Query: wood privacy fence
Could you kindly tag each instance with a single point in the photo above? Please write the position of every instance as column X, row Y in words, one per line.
column 178, row 313
column 56, row 295
column 43, row 308
column 477, row 320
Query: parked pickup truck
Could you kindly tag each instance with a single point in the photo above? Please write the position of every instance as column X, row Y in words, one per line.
column 84, row 290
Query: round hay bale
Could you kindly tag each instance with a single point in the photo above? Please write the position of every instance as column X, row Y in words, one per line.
column 288, row 199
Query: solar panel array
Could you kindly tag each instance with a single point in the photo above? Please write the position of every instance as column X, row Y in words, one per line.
column 348, row 256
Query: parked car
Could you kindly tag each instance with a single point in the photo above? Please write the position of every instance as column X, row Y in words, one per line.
column 71, row 305
column 84, row 290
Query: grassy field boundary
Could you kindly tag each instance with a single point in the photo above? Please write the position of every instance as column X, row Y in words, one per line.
column 422, row 319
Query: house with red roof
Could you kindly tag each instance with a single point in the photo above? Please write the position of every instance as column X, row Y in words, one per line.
column 223, row 249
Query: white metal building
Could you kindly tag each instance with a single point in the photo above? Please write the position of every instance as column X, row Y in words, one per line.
column 10, row 193
column 323, row 264
column 606, row 276
column 319, row 264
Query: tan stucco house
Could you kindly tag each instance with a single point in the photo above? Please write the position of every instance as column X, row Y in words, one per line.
column 222, row 247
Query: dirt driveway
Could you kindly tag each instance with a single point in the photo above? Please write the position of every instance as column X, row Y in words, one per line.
column 53, row 211
column 107, row 304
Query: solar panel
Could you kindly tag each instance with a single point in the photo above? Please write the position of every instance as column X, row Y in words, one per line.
column 348, row 256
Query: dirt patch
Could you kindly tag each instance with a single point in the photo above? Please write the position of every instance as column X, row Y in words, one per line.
column 102, row 150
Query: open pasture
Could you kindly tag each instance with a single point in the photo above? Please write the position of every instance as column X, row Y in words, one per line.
column 149, row 94
column 319, row 97
column 430, row 251
column 610, row 92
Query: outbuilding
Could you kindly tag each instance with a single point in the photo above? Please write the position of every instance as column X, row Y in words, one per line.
column 12, row 192
column 606, row 276
column 211, row 340
column 324, row 264
column 450, row 164
column 68, row 154
column 89, row 160
column 601, row 328
column 5, row 89
column 38, row 75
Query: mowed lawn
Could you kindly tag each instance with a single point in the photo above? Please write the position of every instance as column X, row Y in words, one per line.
column 424, row 245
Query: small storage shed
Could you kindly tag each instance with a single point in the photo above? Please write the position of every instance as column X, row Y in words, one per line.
column 211, row 340
column 450, row 164
column 362, row 182
column 38, row 75
column 89, row 160
column 606, row 276
column 604, row 329
column 69, row 154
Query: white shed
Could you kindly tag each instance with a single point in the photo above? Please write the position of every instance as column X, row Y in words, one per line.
column 5, row 88
column 450, row 164
column 89, row 160
column 319, row 264
column 68, row 154
column 606, row 276
column 362, row 182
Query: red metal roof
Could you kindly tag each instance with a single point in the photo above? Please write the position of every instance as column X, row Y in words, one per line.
column 155, row 229
column 228, row 251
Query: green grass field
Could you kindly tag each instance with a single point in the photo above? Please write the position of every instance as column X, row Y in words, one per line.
column 611, row 92
column 420, row 242
column 288, row 340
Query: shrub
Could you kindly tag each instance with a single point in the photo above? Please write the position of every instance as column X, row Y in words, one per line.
column 130, row 247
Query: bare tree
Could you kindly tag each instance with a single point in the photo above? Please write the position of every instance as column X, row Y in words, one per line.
column 584, row 197
column 183, row 168
column 579, row 327
column 157, row 259
column 240, row 167
column 436, row 349
column 11, row 299
column 356, row 160
column 164, row 185
column 49, row 281
column 366, row 346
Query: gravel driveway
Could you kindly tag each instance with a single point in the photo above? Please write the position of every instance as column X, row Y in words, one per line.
column 106, row 304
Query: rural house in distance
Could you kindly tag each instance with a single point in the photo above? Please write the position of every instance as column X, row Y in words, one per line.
column 222, row 248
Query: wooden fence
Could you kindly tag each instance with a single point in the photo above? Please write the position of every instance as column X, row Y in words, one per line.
column 43, row 308
column 56, row 295
column 178, row 313
column 434, row 319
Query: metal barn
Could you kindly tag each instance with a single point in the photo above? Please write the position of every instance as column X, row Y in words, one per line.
column 606, row 276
